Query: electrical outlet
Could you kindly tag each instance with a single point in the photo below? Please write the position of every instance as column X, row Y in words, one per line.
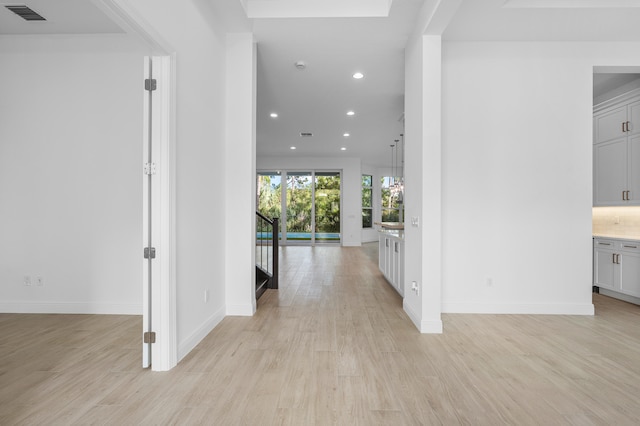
column 26, row 280
column 206, row 296
column 39, row 282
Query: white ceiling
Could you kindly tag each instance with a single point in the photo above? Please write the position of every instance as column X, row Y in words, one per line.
column 316, row 8
column 316, row 100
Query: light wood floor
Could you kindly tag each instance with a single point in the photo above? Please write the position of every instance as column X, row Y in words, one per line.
column 332, row 346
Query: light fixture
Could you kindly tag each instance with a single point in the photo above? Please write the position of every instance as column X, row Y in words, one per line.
column 358, row 75
column 343, row 149
column 273, row 115
column 346, row 135
column 293, row 147
column 397, row 170
column 301, row 65
column 351, row 113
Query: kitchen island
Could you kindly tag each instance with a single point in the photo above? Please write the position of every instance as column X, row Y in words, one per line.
column 391, row 255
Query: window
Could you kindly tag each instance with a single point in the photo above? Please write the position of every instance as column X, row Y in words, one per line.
column 391, row 205
column 367, row 201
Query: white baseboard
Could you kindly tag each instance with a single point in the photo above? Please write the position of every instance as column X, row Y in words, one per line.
column 430, row 327
column 196, row 337
column 616, row 295
column 424, row 326
column 91, row 308
column 518, row 308
column 241, row 310
column 351, row 244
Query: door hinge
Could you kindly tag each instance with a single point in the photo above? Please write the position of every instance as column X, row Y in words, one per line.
column 149, row 337
column 149, row 252
column 149, row 168
column 150, row 84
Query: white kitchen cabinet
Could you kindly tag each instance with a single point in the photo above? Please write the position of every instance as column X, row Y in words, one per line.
column 616, row 265
column 397, row 275
column 629, row 271
column 383, row 243
column 610, row 124
column 604, row 263
column 391, row 258
column 610, row 172
column 616, row 151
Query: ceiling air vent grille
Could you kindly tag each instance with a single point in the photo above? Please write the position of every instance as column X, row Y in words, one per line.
column 26, row 13
column 306, row 134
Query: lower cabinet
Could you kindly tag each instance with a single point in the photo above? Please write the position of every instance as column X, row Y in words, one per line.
column 616, row 265
column 391, row 259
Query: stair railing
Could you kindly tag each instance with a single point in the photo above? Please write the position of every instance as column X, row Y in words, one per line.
column 266, row 253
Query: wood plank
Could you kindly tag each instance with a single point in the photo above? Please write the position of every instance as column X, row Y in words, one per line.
column 331, row 346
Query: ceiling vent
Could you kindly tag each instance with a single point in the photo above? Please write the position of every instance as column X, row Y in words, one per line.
column 306, row 134
column 26, row 13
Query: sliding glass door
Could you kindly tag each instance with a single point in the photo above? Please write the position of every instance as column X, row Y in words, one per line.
column 269, row 196
column 308, row 204
column 327, row 207
column 299, row 206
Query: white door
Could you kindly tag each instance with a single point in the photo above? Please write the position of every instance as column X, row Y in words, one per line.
column 148, row 336
column 610, row 172
column 611, row 124
column 604, row 267
column 633, row 164
column 633, row 114
column 629, row 273
column 159, row 348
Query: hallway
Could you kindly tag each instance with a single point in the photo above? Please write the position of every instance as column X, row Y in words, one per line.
column 332, row 346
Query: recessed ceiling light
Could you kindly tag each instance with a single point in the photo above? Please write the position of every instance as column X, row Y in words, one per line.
column 346, row 135
column 343, row 149
column 293, row 147
column 273, row 115
column 351, row 113
column 358, row 75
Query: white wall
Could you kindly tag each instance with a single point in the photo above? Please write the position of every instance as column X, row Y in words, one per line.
column 351, row 187
column 240, row 160
column 70, row 182
column 200, row 147
column 517, row 174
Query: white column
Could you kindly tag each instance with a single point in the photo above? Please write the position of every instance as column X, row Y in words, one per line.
column 423, row 205
column 239, row 174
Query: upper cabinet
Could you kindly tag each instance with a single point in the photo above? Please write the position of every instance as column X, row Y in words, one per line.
column 610, row 124
column 616, row 151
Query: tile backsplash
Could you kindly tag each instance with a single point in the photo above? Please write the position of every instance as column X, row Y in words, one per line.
column 617, row 221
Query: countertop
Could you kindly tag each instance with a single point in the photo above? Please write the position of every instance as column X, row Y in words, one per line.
column 390, row 225
column 618, row 237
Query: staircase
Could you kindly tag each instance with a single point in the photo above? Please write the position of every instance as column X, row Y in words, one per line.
column 266, row 254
